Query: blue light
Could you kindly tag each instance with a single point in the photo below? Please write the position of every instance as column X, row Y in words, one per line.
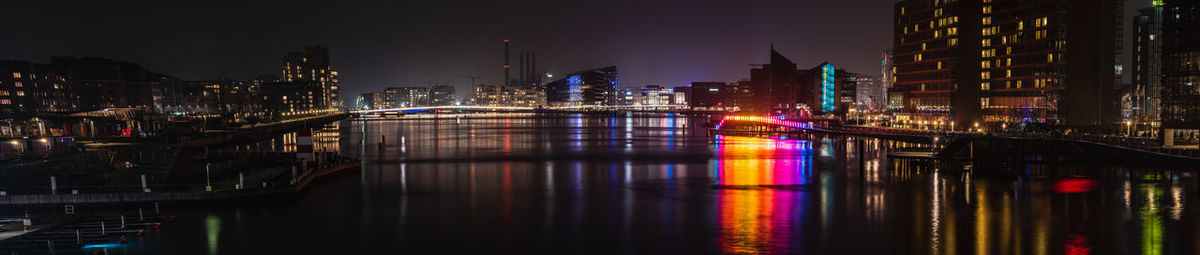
column 107, row 245
column 575, row 80
column 827, row 88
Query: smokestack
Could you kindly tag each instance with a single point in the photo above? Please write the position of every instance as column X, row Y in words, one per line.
column 533, row 73
column 505, row 61
column 521, row 70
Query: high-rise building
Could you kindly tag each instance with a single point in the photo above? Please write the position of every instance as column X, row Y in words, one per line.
column 313, row 65
column 972, row 61
column 440, row 95
column 847, row 90
column 594, row 87
column 891, row 101
column 1143, row 94
column 1180, row 112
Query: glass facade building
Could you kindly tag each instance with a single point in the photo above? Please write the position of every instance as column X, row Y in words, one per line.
column 1181, row 72
column 594, row 87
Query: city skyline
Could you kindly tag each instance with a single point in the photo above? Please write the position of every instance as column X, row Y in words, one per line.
column 656, row 43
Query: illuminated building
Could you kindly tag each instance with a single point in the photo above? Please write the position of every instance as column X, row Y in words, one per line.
column 1006, row 61
column 585, row 88
column 407, row 96
column 1181, row 72
column 847, row 90
column 1143, row 102
column 440, row 95
column 373, row 100
column 818, row 88
column 28, row 88
column 868, row 94
column 313, row 65
column 656, row 95
column 891, row 101
column 294, row 96
column 778, row 87
column 500, row 95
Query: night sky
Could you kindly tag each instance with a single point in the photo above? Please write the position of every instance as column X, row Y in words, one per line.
column 418, row 43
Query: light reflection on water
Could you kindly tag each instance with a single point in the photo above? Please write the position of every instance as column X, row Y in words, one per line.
column 660, row 184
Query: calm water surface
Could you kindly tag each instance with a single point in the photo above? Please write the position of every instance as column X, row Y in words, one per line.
column 653, row 184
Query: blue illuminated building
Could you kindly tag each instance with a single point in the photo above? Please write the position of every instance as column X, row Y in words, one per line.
column 584, row 88
column 828, row 98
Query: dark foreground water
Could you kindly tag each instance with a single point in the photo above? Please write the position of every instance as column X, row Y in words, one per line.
column 649, row 184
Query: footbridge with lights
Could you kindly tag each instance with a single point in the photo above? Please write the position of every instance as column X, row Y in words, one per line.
column 480, row 108
column 1008, row 147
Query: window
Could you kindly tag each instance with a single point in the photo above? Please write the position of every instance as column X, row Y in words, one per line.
column 18, row 84
column 939, row 65
column 5, row 101
column 1007, row 73
column 1049, row 58
column 20, row 93
column 3, row 93
column 985, row 75
column 985, row 64
column 16, row 75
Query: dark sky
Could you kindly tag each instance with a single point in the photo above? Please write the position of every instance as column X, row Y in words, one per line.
column 376, row 44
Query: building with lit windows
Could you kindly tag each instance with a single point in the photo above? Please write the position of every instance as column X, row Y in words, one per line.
column 1006, row 61
column 656, row 95
column 28, row 88
column 407, row 96
column 440, row 95
column 501, row 95
column 1143, row 93
column 373, row 100
column 585, row 88
column 287, row 97
column 313, row 65
column 820, row 89
column 1180, row 112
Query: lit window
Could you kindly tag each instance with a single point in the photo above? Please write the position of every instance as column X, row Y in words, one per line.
column 985, row 85
column 1007, row 73
column 16, row 75
column 18, row 84
column 20, row 93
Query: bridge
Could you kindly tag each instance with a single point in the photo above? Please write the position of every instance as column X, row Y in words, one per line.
column 1020, row 147
column 662, row 108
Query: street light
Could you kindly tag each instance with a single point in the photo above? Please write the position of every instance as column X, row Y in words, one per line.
column 1128, row 127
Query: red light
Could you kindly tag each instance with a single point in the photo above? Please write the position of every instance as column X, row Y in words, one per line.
column 505, row 66
column 505, row 40
column 1074, row 186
